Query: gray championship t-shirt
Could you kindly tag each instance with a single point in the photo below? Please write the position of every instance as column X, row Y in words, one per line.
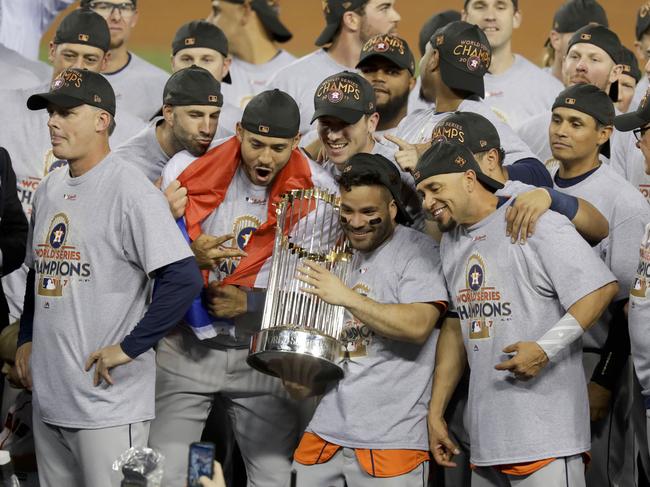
column 144, row 152
column 417, row 128
column 627, row 213
column 138, row 87
column 628, row 161
column 25, row 135
column 639, row 315
column 94, row 242
column 249, row 79
column 523, row 91
column 301, row 78
column 505, row 293
column 242, row 211
column 382, row 401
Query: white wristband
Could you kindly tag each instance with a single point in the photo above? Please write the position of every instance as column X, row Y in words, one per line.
column 564, row 333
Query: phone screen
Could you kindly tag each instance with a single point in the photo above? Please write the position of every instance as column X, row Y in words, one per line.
column 200, row 463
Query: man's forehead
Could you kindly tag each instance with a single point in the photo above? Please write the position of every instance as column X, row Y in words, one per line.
column 198, row 108
column 586, row 48
column 198, row 52
column 566, row 112
column 266, row 140
column 82, row 49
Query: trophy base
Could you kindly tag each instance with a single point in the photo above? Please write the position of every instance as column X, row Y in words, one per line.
column 291, row 351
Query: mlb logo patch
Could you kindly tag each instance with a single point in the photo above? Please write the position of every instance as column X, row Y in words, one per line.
column 190, row 41
column 585, row 37
column 440, row 40
column 213, row 98
column 84, row 37
column 264, row 129
column 570, row 101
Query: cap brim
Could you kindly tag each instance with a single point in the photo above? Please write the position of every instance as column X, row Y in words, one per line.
column 613, row 91
column 370, row 55
column 629, row 121
column 227, row 79
column 461, row 80
column 488, row 182
column 41, row 101
column 271, row 21
column 345, row 114
column 327, row 35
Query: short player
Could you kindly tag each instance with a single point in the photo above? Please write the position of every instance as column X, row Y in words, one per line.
column 138, row 84
column 582, row 122
column 350, row 24
column 387, row 63
column 455, row 81
column 203, row 44
column 515, row 88
column 200, row 365
column 254, row 30
column 573, row 15
column 99, row 399
column 522, row 311
column 192, row 103
column 628, row 80
column 81, row 41
column 593, row 57
column 392, row 304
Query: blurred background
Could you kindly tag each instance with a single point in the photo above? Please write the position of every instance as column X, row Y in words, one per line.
column 159, row 20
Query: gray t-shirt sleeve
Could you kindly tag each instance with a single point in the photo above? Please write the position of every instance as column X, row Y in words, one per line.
column 422, row 280
column 570, row 268
column 150, row 237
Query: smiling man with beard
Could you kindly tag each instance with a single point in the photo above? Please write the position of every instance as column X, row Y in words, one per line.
column 235, row 186
column 387, row 63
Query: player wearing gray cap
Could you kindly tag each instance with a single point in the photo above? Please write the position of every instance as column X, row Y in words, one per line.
column 192, row 103
column 508, row 88
column 522, row 314
column 392, row 304
column 138, row 84
column 81, row 41
column 96, row 214
column 349, row 24
column 582, row 122
column 203, row 362
column 253, row 30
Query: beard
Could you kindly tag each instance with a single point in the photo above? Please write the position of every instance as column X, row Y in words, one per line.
column 392, row 109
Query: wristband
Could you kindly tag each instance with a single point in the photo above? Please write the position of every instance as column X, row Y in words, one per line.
column 564, row 333
column 564, row 204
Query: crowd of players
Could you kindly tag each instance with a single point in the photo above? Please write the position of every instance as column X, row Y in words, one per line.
column 496, row 318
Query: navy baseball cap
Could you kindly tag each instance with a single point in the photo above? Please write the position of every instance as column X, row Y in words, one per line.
column 642, row 20
column 390, row 47
column 630, row 64
column 201, row 33
column 334, row 10
column 636, row 119
column 469, row 129
column 83, row 26
column 434, row 23
column 346, row 95
column 268, row 13
column 192, row 86
column 272, row 113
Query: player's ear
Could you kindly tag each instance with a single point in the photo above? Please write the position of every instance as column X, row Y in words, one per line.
column 168, row 114
column 51, row 53
column 240, row 132
column 225, row 69
column 295, row 142
column 104, row 62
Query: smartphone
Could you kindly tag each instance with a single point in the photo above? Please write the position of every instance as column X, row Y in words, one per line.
column 201, row 462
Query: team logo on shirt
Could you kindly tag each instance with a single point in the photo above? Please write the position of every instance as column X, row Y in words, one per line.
column 479, row 304
column 57, row 262
column 243, row 229
column 356, row 337
column 642, row 272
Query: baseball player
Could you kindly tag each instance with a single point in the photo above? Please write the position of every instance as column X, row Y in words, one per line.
column 138, row 84
column 452, row 71
column 253, row 30
column 593, row 57
column 192, row 103
column 203, row 44
column 201, row 365
column 82, row 41
column 388, row 65
column 508, row 88
column 392, row 304
column 581, row 125
column 522, row 312
column 95, row 215
column 570, row 17
column 350, row 23
column 628, row 80
column 642, row 49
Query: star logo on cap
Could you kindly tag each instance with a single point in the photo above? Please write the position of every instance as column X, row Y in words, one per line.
column 381, row 47
column 190, row 41
column 84, row 37
column 473, row 63
column 585, row 37
column 213, row 98
column 264, row 129
column 57, row 83
column 334, row 96
column 570, row 101
column 460, row 161
column 347, row 168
